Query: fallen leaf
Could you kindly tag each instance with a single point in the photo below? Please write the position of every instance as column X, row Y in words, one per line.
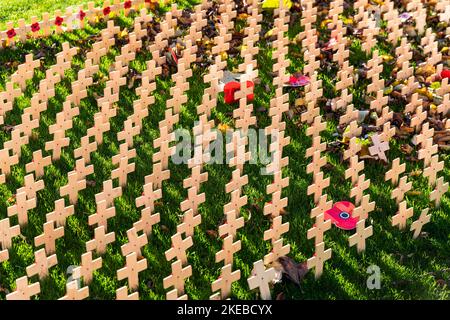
column 406, row 149
column 293, row 271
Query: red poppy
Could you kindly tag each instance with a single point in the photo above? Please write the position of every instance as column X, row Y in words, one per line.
column 82, row 14
column 127, row 4
column 445, row 74
column 11, row 33
column 35, row 27
column 106, row 11
column 58, row 21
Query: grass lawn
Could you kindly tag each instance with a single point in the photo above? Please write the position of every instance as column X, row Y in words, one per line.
column 410, row 269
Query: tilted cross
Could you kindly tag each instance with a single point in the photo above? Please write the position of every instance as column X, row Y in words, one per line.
column 417, row 225
column 261, row 277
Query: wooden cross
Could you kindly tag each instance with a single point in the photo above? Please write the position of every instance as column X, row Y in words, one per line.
column 232, row 224
column 6, row 161
column 100, row 218
column 178, row 276
column 427, row 152
column 88, row 266
column 73, row 186
column 237, row 182
column 365, row 207
column 278, row 184
column 317, row 187
column 358, row 190
column 316, row 145
column 422, row 138
column 379, row 102
column 109, row 193
column 22, row 206
column 25, row 71
column 61, row 213
column 28, row 124
column 354, row 169
column 319, row 228
column 278, row 251
column 277, row 230
column 85, row 149
column 318, row 259
column 432, row 171
column 68, row 111
column 261, row 278
column 7, row 233
column 316, row 128
column 122, row 294
column 379, row 148
column 73, row 293
column 277, row 205
column 158, row 175
column 395, row 171
column 403, row 187
column 225, row 281
column 135, row 243
column 417, row 225
column 170, row 120
column 100, row 241
column 49, row 236
column 321, row 206
column 122, row 171
column 131, row 270
column 403, row 214
column 196, row 178
column 23, row 290
column 59, row 141
column 98, row 129
column 128, row 133
column 32, row 187
column 317, row 163
column 228, row 250
column 440, row 189
column 179, row 247
column 419, row 118
column 82, row 170
column 67, row 52
column 190, row 221
column 360, row 236
column 149, row 196
column 193, row 201
column 98, row 51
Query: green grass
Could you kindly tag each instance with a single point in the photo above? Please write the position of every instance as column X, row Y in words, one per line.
column 410, row 269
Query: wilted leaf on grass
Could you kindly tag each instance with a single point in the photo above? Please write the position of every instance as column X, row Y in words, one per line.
column 293, row 271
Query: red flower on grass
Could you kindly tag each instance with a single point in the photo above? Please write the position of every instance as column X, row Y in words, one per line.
column 58, row 21
column 106, row 11
column 35, row 27
column 82, row 14
column 127, row 4
column 11, row 33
